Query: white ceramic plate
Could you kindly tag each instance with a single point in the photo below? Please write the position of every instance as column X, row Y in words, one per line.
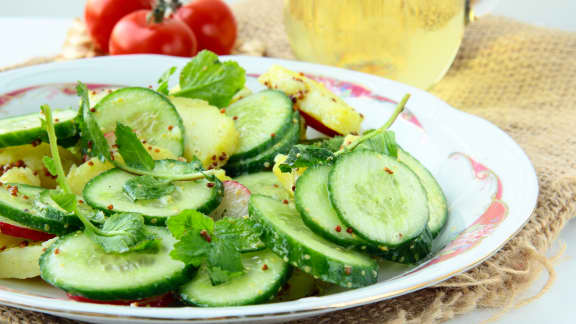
column 489, row 182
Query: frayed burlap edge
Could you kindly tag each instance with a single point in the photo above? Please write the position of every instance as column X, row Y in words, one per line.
column 498, row 76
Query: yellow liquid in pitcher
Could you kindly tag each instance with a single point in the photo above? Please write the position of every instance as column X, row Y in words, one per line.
column 412, row 41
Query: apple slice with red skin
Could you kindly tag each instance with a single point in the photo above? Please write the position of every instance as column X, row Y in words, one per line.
column 23, row 232
column 317, row 125
column 165, row 300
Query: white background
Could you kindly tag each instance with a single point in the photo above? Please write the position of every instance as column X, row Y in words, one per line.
column 37, row 27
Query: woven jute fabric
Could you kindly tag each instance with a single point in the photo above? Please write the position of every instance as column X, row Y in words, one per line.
column 521, row 78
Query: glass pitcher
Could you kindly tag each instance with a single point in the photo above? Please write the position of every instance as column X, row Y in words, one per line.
column 411, row 41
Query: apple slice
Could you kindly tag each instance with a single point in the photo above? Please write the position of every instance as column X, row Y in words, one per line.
column 322, row 109
column 10, row 228
column 317, row 125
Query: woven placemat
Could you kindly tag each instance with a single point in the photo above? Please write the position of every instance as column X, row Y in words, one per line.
column 521, row 78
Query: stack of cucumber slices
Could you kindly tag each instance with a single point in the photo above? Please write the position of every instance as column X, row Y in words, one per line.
column 213, row 198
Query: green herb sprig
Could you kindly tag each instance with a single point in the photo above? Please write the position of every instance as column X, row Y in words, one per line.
column 206, row 78
column 120, row 233
column 214, row 245
column 380, row 140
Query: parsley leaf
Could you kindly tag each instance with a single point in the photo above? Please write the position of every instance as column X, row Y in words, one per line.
column 191, row 249
column 148, row 187
column 244, row 232
column 164, row 80
column 189, row 221
column 215, row 245
column 384, row 143
column 122, row 233
column 306, row 156
column 205, row 77
column 131, row 149
column 224, row 262
column 92, row 135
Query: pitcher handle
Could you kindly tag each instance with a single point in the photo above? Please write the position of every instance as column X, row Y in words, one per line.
column 483, row 7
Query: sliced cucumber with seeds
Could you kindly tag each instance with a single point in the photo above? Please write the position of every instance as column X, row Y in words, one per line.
column 286, row 234
column 79, row 266
column 151, row 115
column 265, row 273
column 313, row 203
column 105, row 192
column 380, row 198
column 437, row 205
column 25, row 129
column 22, row 206
column 264, row 183
column 262, row 119
column 265, row 160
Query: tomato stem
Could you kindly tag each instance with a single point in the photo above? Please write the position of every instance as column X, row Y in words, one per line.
column 156, row 16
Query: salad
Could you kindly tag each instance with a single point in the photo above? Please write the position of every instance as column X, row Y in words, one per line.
column 210, row 195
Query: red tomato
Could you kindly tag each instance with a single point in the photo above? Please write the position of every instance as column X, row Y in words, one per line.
column 25, row 233
column 213, row 24
column 134, row 35
column 102, row 15
column 157, row 301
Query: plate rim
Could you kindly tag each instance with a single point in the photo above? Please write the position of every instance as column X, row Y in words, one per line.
column 57, row 306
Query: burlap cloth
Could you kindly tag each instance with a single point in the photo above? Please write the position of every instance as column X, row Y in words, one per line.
column 520, row 77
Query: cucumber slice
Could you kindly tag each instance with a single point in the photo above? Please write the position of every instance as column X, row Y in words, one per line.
column 261, row 119
column 26, row 129
column 313, row 203
column 379, row 197
column 149, row 113
column 24, row 208
column 286, row 234
column 265, row 273
column 265, row 160
column 437, row 205
column 79, row 266
column 264, row 183
column 105, row 192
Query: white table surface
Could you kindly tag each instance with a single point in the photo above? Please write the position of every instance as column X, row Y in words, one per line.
column 36, row 28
